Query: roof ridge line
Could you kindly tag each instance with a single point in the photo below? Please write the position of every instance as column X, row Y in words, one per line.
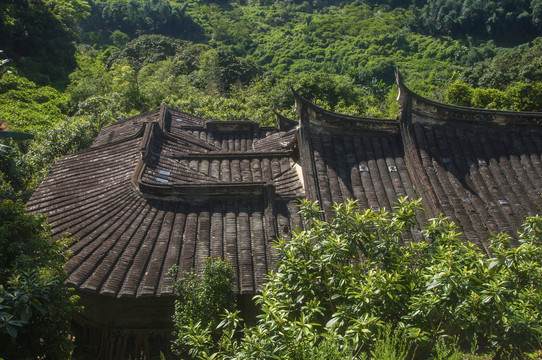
column 131, row 118
column 335, row 120
column 463, row 113
column 139, row 133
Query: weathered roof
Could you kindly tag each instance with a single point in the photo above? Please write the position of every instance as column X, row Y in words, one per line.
column 481, row 168
column 167, row 188
column 351, row 158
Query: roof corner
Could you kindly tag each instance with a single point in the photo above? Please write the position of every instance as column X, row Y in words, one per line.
column 284, row 123
column 403, row 97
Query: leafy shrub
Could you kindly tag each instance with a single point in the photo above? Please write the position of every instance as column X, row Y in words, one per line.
column 460, row 94
column 35, row 307
column 200, row 300
column 526, row 97
column 355, row 279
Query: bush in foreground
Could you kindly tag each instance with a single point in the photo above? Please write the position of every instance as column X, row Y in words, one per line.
column 353, row 287
column 35, row 307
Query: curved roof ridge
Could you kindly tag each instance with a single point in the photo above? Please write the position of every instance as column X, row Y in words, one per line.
column 331, row 119
column 154, row 111
column 440, row 111
column 139, row 133
column 284, row 123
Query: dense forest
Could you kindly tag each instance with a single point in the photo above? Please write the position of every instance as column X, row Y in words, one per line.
column 70, row 67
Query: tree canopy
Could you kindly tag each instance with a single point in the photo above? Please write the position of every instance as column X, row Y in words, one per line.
column 506, row 22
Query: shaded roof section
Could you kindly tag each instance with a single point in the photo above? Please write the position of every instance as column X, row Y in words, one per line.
column 352, row 158
column 153, row 192
column 481, row 168
column 126, row 128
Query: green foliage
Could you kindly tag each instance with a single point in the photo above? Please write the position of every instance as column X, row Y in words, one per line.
column 124, row 83
column 341, row 56
column 159, row 80
column 220, row 108
column 513, row 21
column 490, row 99
column 28, row 107
column 145, row 49
column 219, row 70
column 236, row 63
column 149, row 69
column 65, row 138
column 525, row 97
column 329, row 91
column 136, row 17
column 119, row 39
column 70, row 12
column 37, row 42
column 200, row 300
column 42, row 111
column 354, row 284
column 89, row 79
column 459, row 93
column 35, row 307
column 11, row 179
column 390, row 345
column 358, row 41
column 517, row 97
column 75, row 133
column 520, row 64
column 358, row 44
column 209, row 72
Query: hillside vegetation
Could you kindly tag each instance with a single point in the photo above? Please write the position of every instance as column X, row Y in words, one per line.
column 72, row 66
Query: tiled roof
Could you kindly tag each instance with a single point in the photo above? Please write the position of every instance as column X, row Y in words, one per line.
column 349, row 158
column 153, row 192
column 481, row 168
column 167, row 188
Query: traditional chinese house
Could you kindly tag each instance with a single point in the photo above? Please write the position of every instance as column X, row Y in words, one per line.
column 167, row 188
